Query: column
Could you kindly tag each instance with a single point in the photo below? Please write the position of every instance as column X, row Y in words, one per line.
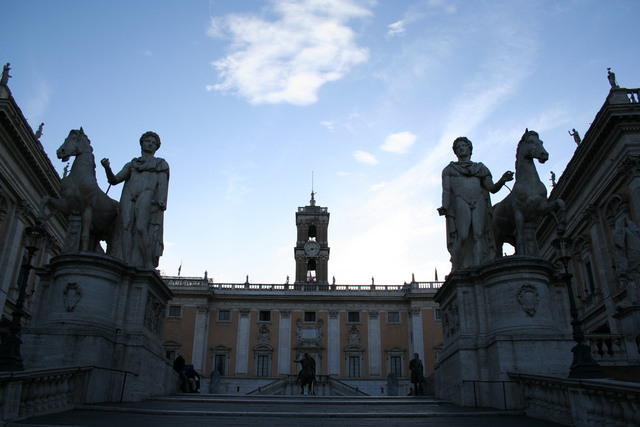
column 333, row 343
column 11, row 258
column 200, row 335
column 242, row 342
column 374, row 344
column 417, row 338
column 284, row 343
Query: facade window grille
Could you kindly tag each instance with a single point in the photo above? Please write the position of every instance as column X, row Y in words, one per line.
column 175, row 310
column 395, row 365
column 354, row 366
column 265, row 316
column 309, row 316
column 224, row 316
column 393, row 317
column 353, row 316
column 263, row 365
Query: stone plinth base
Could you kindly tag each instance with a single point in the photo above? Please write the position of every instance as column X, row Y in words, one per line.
column 96, row 311
column 507, row 316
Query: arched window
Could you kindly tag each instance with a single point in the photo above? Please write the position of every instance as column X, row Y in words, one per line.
column 313, row 232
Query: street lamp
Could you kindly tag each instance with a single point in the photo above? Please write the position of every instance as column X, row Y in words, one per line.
column 583, row 365
column 11, row 358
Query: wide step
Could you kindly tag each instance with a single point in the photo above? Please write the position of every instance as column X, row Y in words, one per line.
column 192, row 410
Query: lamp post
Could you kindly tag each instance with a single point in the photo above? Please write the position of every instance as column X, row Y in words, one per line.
column 11, row 358
column 583, row 365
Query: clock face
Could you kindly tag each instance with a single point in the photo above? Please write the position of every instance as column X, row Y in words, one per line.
column 311, row 248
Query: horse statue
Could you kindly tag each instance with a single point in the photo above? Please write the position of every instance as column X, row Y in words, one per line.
column 307, row 375
column 515, row 219
column 81, row 197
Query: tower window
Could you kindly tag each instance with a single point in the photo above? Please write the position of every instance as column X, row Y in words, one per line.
column 313, row 232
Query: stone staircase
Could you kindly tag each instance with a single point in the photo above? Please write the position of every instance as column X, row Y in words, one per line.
column 224, row 410
column 325, row 386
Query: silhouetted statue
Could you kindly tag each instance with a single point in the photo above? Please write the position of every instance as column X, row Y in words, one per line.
column 142, row 204
column 576, row 136
column 417, row 374
column 516, row 217
column 466, row 206
column 611, row 76
column 4, row 80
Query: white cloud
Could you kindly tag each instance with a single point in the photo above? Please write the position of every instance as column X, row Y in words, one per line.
column 398, row 142
column 396, row 28
column 378, row 186
column 364, row 157
column 329, row 125
column 147, row 52
column 289, row 58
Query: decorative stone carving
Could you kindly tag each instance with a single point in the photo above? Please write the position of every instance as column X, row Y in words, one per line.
column 528, row 298
column 81, row 197
column 333, row 314
column 626, row 239
column 309, row 335
column 354, row 336
column 466, row 206
column 515, row 218
column 72, row 294
column 450, row 319
column 285, row 314
column 264, row 335
column 142, row 204
column 153, row 314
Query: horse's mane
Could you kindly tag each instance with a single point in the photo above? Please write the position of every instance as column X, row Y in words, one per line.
column 79, row 133
column 524, row 137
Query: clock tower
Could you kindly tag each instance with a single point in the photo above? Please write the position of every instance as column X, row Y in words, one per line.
column 311, row 251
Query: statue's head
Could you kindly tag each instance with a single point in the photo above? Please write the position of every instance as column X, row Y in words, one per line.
column 462, row 140
column 153, row 135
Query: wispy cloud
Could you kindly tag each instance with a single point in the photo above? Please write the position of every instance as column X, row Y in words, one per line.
column 289, row 58
column 36, row 106
column 399, row 142
column 330, row 125
column 396, row 28
column 365, row 157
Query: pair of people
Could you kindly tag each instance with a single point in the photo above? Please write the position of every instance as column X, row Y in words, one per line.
column 189, row 377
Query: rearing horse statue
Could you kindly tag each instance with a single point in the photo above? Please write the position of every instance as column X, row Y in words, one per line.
column 515, row 219
column 82, row 197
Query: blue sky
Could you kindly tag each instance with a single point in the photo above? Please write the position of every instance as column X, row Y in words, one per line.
column 250, row 97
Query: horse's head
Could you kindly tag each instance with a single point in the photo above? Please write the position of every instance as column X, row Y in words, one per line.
column 76, row 143
column 531, row 147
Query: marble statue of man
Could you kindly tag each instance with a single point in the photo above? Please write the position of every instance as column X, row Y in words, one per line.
column 576, row 136
column 4, row 80
column 142, row 204
column 467, row 207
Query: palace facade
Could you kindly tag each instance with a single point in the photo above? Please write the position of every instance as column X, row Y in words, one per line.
column 251, row 334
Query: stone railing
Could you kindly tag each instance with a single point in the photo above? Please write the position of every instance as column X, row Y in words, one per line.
column 624, row 96
column 607, row 348
column 579, row 402
column 175, row 282
column 37, row 392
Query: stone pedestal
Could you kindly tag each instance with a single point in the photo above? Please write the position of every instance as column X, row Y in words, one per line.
column 96, row 311
column 507, row 316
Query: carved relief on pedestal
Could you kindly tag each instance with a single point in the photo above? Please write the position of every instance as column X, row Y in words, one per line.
column 528, row 298
column 450, row 319
column 72, row 294
column 153, row 314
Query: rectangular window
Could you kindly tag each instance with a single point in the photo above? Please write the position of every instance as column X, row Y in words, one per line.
column 438, row 314
column 354, row 366
column 265, row 316
column 264, row 363
column 395, row 366
column 353, row 316
column 393, row 317
column 221, row 360
column 224, row 316
column 175, row 310
column 309, row 316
